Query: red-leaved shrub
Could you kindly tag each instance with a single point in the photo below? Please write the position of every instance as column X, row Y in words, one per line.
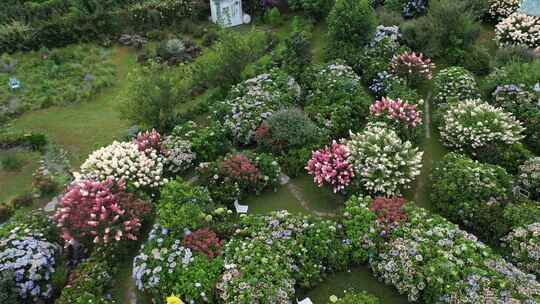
column 239, row 168
column 205, row 241
column 389, row 211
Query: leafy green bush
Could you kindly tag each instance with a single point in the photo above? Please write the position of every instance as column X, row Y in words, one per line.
column 207, row 143
column 273, row 17
column 472, row 194
column 287, row 129
column 317, row 9
column 478, row 61
column 296, row 56
column 293, row 164
column 154, row 93
column 8, row 287
column 446, row 33
column 351, row 25
column 523, row 74
column 509, row 157
column 11, row 162
column 454, row 84
column 337, row 100
column 182, row 206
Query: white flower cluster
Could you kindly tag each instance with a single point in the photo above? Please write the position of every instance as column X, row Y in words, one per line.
column 500, row 9
column 454, row 84
column 255, row 100
column 519, row 29
column 524, row 243
column 124, row 161
column 382, row 161
column 474, row 124
column 179, row 156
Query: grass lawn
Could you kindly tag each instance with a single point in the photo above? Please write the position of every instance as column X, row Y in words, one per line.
column 16, row 182
column 82, row 128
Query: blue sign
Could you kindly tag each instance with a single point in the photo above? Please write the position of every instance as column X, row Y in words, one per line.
column 530, row 7
column 14, row 83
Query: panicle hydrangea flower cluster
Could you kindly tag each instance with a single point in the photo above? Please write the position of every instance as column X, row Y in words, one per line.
column 331, row 166
column 397, row 110
column 124, row 161
column 32, row 259
column 92, row 210
column 382, row 161
column 519, row 29
column 472, row 124
column 524, row 245
column 454, row 84
column 500, row 9
column 149, row 140
column 412, row 65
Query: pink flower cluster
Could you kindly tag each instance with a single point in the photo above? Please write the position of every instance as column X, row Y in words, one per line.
column 92, row 211
column 397, row 110
column 330, row 165
column 412, row 64
column 150, row 140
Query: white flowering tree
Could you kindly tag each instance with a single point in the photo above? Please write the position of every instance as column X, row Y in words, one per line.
column 382, row 161
column 519, row 29
column 124, row 161
column 472, row 124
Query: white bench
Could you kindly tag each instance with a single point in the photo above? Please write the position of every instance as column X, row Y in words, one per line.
column 240, row 208
column 305, row 301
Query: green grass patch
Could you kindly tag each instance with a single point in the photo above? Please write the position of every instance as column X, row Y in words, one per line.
column 270, row 201
column 17, row 182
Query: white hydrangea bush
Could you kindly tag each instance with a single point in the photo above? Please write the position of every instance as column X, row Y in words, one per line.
column 123, row 161
column 500, row 9
column 382, row 161
column 454, row 84
column 472, row 124
column 179, row 156
column 519, row 29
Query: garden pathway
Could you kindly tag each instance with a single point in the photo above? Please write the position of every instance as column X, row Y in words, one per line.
column 297, row 193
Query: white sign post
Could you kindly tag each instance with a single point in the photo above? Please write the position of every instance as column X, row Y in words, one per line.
column 227, row 12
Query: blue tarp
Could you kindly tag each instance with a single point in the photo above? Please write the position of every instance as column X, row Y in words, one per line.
column 530, row 7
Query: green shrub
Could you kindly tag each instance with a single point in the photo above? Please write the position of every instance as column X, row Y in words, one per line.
column 293, row 164
column 8, row 288
column 296, row 56
column 207, row 143
column 478, row 61
column 351, row 25
column 11, row 162
column 509, row 157
column 472, row 194
column 155, row 90
column 454, row 84
column 5, row 212
column 273, row 17
column 287, row 129
column 389, row 17
column 446, row 33
column 317, row 9
column 21, row 201
column 507, row 55
column 16, row 36
column 524, row 74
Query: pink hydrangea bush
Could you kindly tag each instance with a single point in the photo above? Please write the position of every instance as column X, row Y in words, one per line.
column 330, row 166
column 397, row 110
column 99, row 212
column 412, row 66
column 150, row 140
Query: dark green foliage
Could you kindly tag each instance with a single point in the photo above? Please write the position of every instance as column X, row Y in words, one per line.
column 510, row 157
column 525, row 74
column 317, row 9
column 11, row 162
column 294, row 162
column 288, row 129
column 154, row 93
column 446, row 33
column 296, row 56
column 351, row 25
column 507, row 55
column 472, row 194
column 273, row 17
column 521, row 213
column 208, row 143
column 478, row 61
column 8, row 289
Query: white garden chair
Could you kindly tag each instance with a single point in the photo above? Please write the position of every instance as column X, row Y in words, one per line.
column 240, row 208
column 305, row 301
